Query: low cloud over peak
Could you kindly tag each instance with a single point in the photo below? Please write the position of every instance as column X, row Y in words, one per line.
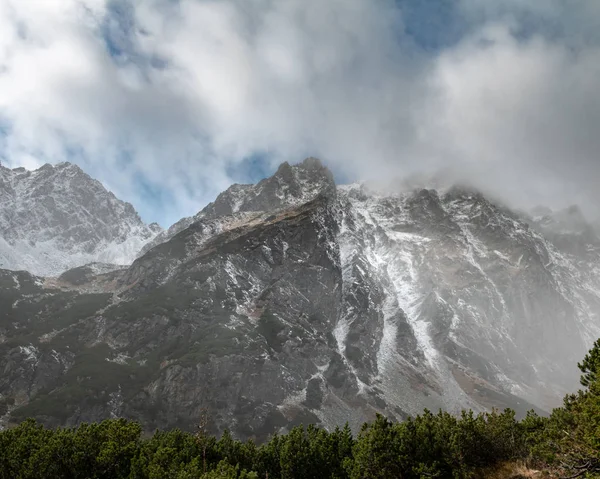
column 167, row 103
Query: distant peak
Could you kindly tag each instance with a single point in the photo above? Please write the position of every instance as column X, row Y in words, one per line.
column 312, row 162
column 66, row 165
column 155, row 227
column 46, row 167
column 290, row 185
column 312, row 169
column 61, row 166
column 284, row 166
column 285, row 171
column 57, row 217
column 465, row 191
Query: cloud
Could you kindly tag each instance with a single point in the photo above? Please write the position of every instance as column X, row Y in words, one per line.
column 166, row 101
column 521, row 114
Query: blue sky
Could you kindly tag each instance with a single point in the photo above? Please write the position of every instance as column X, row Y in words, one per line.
column 169, row 102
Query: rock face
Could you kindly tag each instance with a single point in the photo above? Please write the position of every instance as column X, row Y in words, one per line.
column 57, row 217
column 295, row 301
column 289, row 186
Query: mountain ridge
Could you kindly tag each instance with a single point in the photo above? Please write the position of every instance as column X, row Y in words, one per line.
column 248, row 197
column 58, row 217
column 326, row 305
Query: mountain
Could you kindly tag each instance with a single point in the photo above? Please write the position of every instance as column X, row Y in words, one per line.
column 294, row 300
column 567, row 228
column 57, row 217
column 289, row 186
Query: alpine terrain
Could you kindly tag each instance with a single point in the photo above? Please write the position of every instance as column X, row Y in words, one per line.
column 57, row 217
column 290, row 301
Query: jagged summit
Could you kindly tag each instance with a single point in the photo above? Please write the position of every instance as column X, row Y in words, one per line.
column 290, row 185
column 294, row 300
column 57, row 217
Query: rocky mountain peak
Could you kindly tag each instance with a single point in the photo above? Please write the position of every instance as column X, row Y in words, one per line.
column 58, row 217
column 290, row 185
column 293, row 300
column 155, row 227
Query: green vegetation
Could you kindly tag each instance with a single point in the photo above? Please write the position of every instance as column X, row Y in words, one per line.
column 213, row 341
column 31, row 316
column 566, row 444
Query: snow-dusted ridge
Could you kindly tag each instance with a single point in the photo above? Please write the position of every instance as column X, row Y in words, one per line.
column 378, row 300
column 57, row 217
column 459, row 271
column 291, row 185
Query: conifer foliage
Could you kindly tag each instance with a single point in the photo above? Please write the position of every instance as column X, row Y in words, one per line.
column 567, row 444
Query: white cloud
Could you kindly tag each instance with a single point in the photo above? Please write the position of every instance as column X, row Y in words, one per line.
column 523, row 113
column 202, row 84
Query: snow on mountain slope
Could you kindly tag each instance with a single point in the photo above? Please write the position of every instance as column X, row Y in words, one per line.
column 455, row 282
column 294, row 300
column 57, row 217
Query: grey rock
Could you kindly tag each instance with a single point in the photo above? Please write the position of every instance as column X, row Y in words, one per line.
column 294, row 301
column 57, row 217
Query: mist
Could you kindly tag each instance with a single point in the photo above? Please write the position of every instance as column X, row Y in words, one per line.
column 168, row 103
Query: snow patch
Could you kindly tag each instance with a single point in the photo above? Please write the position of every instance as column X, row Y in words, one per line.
column 31, row 353
column 120, row 358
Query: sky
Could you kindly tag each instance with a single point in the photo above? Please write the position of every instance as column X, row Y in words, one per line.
column 168, row 102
